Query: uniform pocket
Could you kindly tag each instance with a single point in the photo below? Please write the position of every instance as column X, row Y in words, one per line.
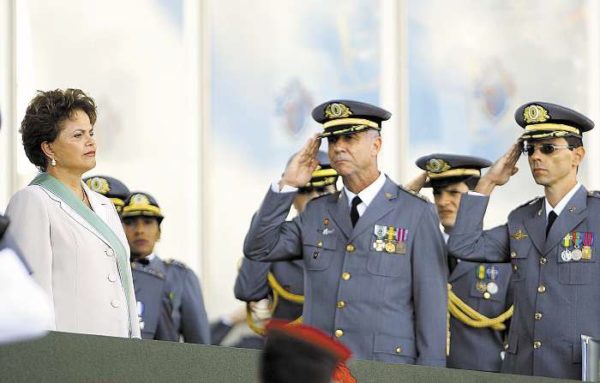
column 318, row 250
column 519, row 252
column 395, row 349
column 386, row 264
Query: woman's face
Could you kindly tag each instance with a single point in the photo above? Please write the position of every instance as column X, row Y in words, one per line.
column 74, row 148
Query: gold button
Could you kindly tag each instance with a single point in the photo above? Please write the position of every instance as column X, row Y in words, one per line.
column 339, row 333
column 515, row 267
column 350, row 248
column 320, row 244
column 506, row 346
column 541, row 289
column 487, row 295
column 341, row 304
column 326, row 221
column 543, row 260
column 346, row 276
column 398, row 350
column 537, row 344
column 513, row 254
column 538, row 316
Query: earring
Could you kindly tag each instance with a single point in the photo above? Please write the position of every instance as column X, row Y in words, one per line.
column 53, row 162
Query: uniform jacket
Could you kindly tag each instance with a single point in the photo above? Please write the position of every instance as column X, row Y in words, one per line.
column 73, row 263
column 251, row 284
column 478, row 348
column 556, row 301
column 171, row 286
column 385, row 306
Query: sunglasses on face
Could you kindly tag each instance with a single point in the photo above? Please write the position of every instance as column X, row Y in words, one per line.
column 545, row 148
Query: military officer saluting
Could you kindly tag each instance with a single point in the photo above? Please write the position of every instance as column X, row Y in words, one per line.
column 549, row 241
column 170, row 301
column 478, row 292
column 283, row 282
column 373, row 254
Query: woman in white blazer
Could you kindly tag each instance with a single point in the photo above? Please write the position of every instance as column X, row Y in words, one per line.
column 71, row 236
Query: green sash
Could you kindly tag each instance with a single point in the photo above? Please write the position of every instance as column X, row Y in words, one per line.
column 57, row 188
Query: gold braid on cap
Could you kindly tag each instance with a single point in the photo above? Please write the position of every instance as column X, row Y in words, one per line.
column 454, row 173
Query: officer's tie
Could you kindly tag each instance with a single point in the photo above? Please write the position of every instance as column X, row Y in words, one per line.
column 551, row 218
column 354, row 211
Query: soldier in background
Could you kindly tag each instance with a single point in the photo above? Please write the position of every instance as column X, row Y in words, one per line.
column 111, row 188
column 283, row 282
column 478, row 292
column 170, row 301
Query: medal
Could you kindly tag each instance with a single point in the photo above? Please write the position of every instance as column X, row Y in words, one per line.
column 401, row 235
column 576, row 254
column 401, row 248
column 565, row 255
column 492, row 288
column 379, row 245
column 481, row 286
column 481, row 272
column 390, row 247
column 492, row 273
column 588, row 242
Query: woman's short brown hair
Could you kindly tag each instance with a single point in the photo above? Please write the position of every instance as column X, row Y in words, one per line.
column 44, row 115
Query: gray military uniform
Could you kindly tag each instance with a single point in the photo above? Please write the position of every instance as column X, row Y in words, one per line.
column 479, row 348
column 170, row 285
column 384, row 306
column 556, row 300
column 251, row 284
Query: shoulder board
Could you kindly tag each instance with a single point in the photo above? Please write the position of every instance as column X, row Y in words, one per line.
column 414, row 193
column 594, row 193
column 530, row 202
column 137, row 267
column 173, row 262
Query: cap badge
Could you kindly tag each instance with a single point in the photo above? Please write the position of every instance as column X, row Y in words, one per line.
column 99, row 185
column 337, row 110
column 436, row 165
column 535, row 113
column 139, row 199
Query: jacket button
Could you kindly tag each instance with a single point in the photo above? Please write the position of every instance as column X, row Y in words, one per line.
column 515, row 267
column 346, row 276
column 350, row 248
column 398, row 350
column 112, row 277
column 513, row 254
column 487, row 295
column 506, row 346
column 543, row 260
column 341, row 304
column 339, row 333
column 115, row 303
column 538, row 316
column 320, row 244
column 541, row 289
column 110, row 252
column 537, row 344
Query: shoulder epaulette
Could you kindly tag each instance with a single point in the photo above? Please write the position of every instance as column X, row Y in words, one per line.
column 594, row 193
column 414, row 193
column 136, row 266
column 530, row 202
column 177, row 263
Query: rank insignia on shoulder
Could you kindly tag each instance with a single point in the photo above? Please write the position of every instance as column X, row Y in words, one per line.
column 519, row 235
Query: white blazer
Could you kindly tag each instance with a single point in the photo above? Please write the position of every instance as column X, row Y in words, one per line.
column 73, row 263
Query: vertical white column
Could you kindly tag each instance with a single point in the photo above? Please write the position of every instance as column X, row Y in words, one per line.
column 394, row 89
column 592, row 139
column 8, row 81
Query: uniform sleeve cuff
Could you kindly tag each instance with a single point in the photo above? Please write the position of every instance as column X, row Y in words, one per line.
column 284, row 189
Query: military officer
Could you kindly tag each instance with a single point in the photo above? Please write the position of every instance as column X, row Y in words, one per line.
column 478, row 292
column 109, row 187
column 283, row 282
column 549, row 241
column 169, row 296
column 373, row 253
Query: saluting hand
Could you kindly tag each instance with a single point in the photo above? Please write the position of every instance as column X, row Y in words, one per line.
column 417, row 183
column 501, row 171
column 299, row 170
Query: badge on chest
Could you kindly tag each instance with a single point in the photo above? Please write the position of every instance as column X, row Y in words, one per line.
column 389, row 239
column 577, row 246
